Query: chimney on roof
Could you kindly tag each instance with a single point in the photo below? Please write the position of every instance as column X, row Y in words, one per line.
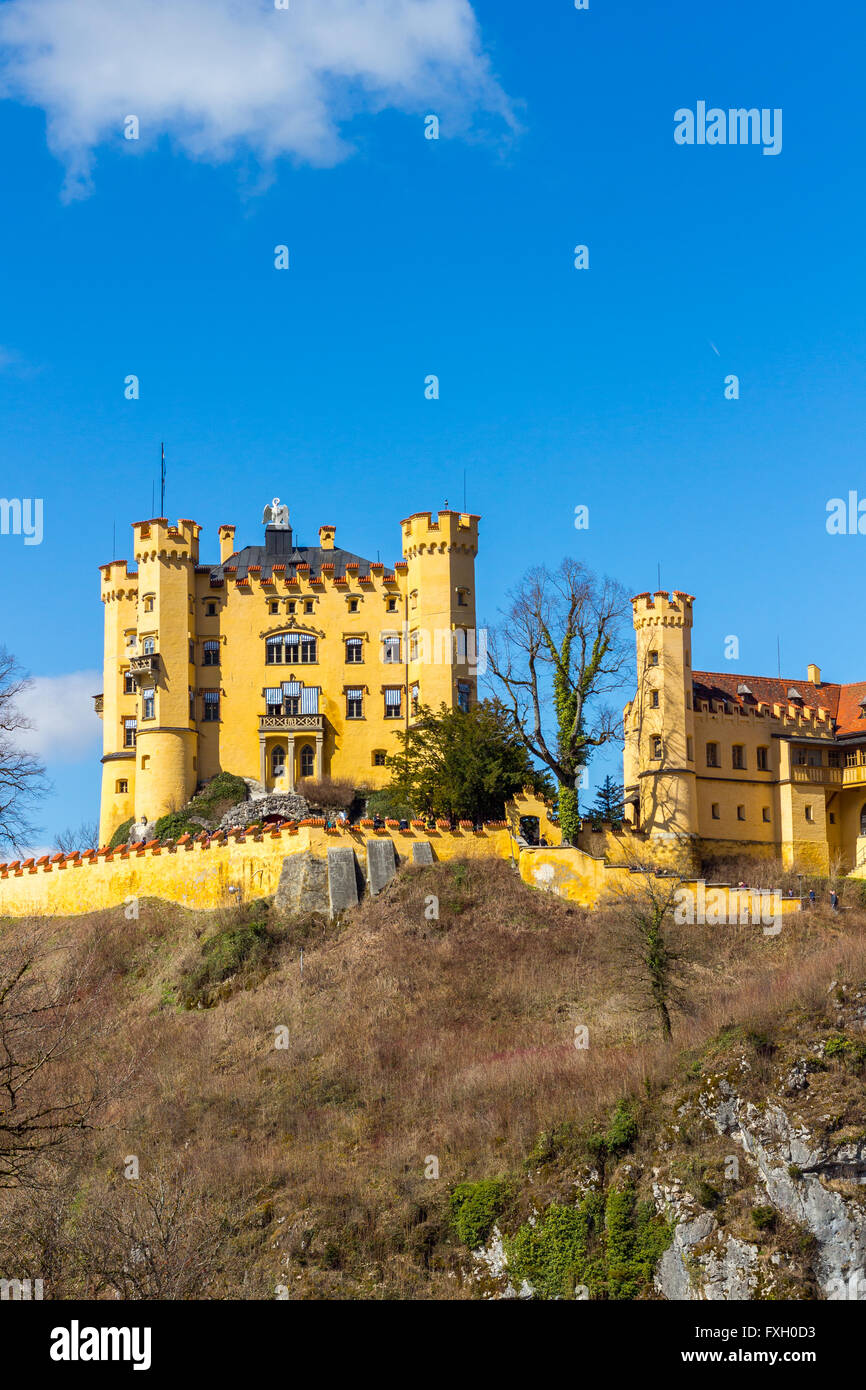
column 814, row 674
column 326, row 537
column 227, row 543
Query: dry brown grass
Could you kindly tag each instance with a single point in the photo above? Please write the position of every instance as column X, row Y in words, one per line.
column 408, row 1038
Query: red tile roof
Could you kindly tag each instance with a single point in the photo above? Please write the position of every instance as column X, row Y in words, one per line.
column 840, row 701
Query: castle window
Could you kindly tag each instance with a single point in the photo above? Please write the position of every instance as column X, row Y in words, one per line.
column 148, row 603
column 393, row 703
column 192, row 653
column 273, row 606
column 354, row 650
column 391, row 650
column 690, row 749
column 738, row 756
column 464, row 693
column 308, row 761
column 688, row 699
column 765, row 815
column 741, row 813
column 308, row 650
column 653, row 658
column 415, row 696
column 391, row 605
column 121, row 787
column 654, row 699
column 462, row 598
column 763, row 759
column 810, row 814
column 211, row 706
column 712, row 755
column 129, row 729
column 128, row 683
column 148, row 704
column 210, row 610
column 656, row 742
column 414, row 646
column 833, row 759
column 148, row 646
column 379, row 757
column 832, row 817
column 355, row 703
column 191, row 703
column 714, row 811
column 353, row 605
column 278, row 761
column 292, row 605
column 800, row 757
column 211, row 653
column 274, row 700
column 413, row 599
column 308, row 605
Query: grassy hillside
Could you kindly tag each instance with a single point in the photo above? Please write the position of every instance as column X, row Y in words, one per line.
column 289, row 1090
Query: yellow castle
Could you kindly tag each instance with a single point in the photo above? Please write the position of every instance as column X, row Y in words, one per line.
column 729, row 765
column 281, row 662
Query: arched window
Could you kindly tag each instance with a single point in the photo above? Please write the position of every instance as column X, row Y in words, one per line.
column 308, row 761
column 278, row 761
column 863, row 821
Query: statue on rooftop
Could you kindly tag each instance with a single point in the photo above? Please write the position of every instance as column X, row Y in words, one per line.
column 276, row 514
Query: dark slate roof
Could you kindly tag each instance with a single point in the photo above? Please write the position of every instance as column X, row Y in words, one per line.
column 312, row 555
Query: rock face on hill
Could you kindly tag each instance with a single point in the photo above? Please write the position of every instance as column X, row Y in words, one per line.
column 755, row 1161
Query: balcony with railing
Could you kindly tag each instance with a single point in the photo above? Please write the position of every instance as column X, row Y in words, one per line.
column 821, row 776
column 140, row 667
column 291, row 723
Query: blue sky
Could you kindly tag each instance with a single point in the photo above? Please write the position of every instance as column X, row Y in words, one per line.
column 559, row 387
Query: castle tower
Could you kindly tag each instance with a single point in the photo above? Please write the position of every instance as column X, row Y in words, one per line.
column 444, row 653
column 659, row 764
column 163, row 666
column 119, row 592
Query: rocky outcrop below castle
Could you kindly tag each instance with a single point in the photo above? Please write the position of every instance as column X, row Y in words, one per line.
column 754, row 1162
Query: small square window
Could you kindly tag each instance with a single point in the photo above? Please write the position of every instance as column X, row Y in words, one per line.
column 653, row 658
column 122, row 787
column 353, row 605
column 765, row 815
column 210, row 610
column 292, row 605
column 379, row 757
column 714, row 811
column 392, row 605
column 273, row 606
column 810, row 815
column 308, row 605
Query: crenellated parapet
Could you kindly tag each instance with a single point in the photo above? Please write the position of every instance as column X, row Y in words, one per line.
column 663, row 609
column 159, row 539
column 422, row 534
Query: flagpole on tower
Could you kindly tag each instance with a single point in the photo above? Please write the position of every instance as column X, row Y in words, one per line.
column 162, row 484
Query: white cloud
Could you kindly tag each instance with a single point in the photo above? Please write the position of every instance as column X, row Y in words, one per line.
column 65, row 726
column 222, row 77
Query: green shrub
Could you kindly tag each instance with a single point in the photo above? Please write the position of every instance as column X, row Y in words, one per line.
column 475, row 1208
column 845, row 1050
column 221, row 956
column 607, row 1245
column 764, row 1218
column 222, row 792
column 121, row 834
column 175, row 824
column 622, row 1130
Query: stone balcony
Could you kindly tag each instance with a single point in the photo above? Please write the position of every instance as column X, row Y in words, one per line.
column 291, row 723
column 141, row 667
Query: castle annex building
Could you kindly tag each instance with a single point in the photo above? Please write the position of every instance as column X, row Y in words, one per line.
column 741, row 764
column 279, row 663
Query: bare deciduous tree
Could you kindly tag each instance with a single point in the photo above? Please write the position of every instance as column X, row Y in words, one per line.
column 22, row 776
column 643, row 933
column 44, row 1093
column 560, row 650
column 83, row 836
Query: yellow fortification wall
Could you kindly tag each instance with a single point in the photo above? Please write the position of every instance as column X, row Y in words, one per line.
column 227, row 869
